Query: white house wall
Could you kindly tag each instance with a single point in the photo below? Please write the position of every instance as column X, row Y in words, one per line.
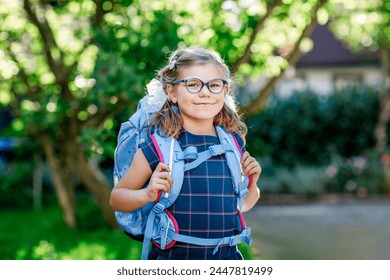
column 326, row 80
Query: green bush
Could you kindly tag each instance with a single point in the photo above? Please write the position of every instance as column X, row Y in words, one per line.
column 300, row 180
column 15, row 184
column 309, row 129
column 360, row 175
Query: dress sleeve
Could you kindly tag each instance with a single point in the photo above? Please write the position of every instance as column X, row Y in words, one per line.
column 150, row 153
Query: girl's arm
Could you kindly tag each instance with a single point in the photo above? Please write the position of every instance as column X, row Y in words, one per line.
column 128, row 194
column 250, row 166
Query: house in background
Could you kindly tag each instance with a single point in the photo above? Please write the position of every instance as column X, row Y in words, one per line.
column 330, row 66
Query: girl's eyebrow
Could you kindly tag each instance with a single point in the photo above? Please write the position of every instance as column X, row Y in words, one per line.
column 190, row 78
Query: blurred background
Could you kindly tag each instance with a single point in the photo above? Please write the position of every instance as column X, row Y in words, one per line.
column 312, row 79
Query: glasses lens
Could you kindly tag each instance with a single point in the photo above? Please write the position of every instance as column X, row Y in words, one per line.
column 194, row 85
column 216, row 85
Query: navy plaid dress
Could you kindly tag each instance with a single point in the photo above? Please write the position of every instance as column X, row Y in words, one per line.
column 207, row 204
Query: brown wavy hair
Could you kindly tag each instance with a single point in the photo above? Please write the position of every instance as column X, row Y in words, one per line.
column 168, row 119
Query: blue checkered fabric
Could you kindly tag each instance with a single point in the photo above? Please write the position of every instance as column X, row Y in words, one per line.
column 207, row 204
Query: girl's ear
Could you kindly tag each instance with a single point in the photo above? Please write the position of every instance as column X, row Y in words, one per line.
column 226, row 90
column 171, row 93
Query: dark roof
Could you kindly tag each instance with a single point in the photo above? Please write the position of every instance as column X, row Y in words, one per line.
column 330, row 51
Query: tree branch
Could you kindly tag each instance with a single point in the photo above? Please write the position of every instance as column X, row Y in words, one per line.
column 97, row 119
column 98, row 18
column 245, row 58
column 32, row 91
column 15, row 104
column 49, row 43
column 259, row 102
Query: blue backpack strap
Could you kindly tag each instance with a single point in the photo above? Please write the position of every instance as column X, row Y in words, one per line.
column 233, row 160
column 241, row 183
column 165, row 147
column 191, row 153
column 243, row 236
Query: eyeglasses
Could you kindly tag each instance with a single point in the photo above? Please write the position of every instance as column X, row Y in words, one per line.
column 195, row 85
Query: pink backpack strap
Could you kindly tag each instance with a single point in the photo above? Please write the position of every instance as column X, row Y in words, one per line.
column 158, row 150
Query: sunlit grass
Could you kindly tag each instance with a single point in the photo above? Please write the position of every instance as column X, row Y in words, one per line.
column 37, row 235
column 42, row 235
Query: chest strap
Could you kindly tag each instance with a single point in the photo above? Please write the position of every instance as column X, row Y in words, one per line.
column 217, row 242
column 191, row 154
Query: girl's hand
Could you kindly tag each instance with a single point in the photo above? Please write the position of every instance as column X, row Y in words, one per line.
column 250, row 166
column 159, row 181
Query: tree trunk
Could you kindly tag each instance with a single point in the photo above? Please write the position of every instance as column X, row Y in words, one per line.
column 37, row 182
column 70, row 160
column 95, row 182
column 61, row 177
column 384, row 115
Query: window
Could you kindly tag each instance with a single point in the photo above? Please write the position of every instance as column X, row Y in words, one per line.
column 347, row 80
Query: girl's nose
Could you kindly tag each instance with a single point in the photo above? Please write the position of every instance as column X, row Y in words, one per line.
column 204, row 92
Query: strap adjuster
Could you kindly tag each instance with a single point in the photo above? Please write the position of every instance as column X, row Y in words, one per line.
column 234, row 240
column 243, row 193
column 158, row 208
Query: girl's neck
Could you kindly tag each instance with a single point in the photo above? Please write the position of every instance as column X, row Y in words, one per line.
column 201, row 129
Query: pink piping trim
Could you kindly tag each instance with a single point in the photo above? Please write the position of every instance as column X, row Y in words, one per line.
column 159, row 153
column 250, row 177
column 241, row 218
column 160, row 157
column 176, row 227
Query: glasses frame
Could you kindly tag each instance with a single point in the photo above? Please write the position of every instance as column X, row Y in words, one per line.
column 224, row 82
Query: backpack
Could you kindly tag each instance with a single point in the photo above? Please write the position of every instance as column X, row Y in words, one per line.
column 153, row 222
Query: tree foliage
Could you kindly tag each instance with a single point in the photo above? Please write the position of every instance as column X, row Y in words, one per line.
column 365, row 26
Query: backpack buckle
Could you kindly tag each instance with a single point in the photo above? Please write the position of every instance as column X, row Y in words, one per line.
column 191, row 153
column 216, row 150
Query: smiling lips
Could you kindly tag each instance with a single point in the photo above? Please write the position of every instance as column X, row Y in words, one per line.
column 204, row 103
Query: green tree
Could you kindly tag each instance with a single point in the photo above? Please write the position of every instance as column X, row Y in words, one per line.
column 69, row 69
column 365, row 26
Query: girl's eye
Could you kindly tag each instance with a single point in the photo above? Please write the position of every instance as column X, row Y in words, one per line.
column 216, row 84
column 193, row 84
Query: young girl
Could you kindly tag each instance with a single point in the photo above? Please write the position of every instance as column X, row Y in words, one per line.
column 197, row 83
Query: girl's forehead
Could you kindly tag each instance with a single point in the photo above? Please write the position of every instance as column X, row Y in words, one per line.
column 205, row 71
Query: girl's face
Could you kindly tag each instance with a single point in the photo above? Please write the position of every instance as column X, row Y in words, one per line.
column 198, row 109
